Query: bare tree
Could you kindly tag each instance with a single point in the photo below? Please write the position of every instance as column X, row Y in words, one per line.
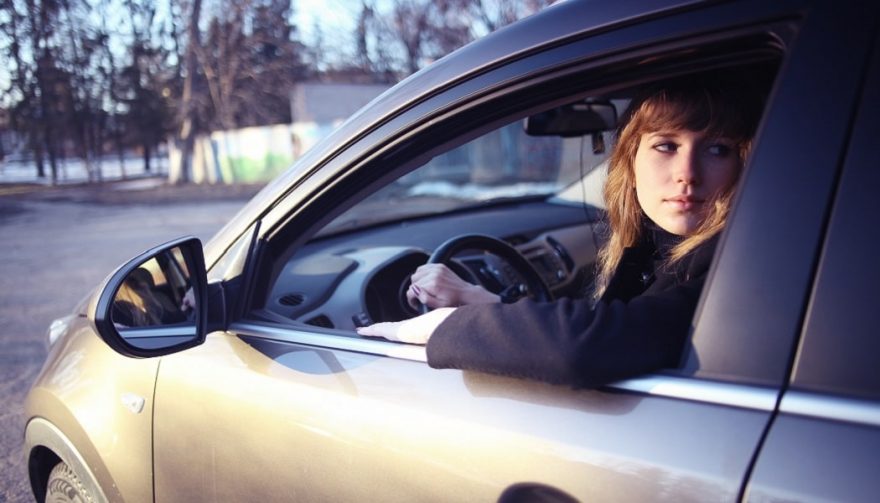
column 494, row 14
column 250, row 61
column 21, row 93
column 141, row 82
column 275, row 62
column 43, row 16
column 59, row 97
column 412, row 33
column 82, row 58
column 80, row 77
column 187, row 117
column 373, row 39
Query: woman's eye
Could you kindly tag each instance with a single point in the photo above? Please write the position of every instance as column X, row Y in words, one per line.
column 666, row 147
column 720, row 150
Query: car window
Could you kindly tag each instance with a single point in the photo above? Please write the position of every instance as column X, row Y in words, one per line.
column 352, row 268
column 504, row 164
column 356, row 269
column 841, row 346
column 528, row 188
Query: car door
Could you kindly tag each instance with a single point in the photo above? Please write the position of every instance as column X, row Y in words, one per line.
column 823, row 443
column 273, row 411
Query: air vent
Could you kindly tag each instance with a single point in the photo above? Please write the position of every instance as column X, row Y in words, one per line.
column 561, row 253
column 292, row 299
column 320, row 321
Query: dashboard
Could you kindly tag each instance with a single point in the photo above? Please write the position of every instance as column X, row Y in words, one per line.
column 361, row 277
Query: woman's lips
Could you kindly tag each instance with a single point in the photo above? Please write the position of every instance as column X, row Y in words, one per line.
column 684, row 203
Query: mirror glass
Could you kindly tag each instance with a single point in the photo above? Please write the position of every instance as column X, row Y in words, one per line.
column 155, row 304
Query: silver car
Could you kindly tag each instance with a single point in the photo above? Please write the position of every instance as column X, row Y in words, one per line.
column 233, row 372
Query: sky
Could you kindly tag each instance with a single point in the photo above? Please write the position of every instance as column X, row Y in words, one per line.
column 335, row 17
column 329, row 13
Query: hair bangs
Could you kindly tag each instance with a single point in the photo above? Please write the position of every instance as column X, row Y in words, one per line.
column 699, row 110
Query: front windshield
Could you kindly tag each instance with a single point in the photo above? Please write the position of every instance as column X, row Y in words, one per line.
column 501, row 165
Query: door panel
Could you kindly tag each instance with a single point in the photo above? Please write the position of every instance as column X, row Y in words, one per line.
column 825, row 444
column 266, row 420
column 815, row 459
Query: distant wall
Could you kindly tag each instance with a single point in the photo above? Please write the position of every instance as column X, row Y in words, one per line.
column 246, row 155
column 258, row 154
column 251, row 155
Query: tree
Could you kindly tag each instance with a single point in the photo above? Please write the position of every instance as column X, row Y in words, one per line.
column 494, row 14
column 21, row 93
column 85, row 74
column 276, row 63
column 250, row 61
column 83, row 62
column 141, row 82
column 412, row 33
column 36, row 79
column 181, row 170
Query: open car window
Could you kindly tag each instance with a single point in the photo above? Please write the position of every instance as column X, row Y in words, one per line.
column 525, row 187
column 339, row 252
column 534, row 187
column 502, row 165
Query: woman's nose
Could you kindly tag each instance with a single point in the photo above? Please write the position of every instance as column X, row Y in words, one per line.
column 687, row 168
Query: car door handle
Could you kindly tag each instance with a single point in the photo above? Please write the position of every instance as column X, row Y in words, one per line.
column 133, row 402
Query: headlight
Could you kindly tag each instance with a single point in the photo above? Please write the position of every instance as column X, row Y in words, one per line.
column 56, row 329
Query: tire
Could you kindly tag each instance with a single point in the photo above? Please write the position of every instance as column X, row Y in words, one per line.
column 65, row 487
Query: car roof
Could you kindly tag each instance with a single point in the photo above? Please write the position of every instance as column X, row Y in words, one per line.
column 554, row 25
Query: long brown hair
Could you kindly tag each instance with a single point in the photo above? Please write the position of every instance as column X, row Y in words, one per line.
column 714, row 107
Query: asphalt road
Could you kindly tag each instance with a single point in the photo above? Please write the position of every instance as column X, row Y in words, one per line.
column 58, row 244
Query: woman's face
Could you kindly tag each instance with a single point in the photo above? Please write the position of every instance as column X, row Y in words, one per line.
column 678, row 175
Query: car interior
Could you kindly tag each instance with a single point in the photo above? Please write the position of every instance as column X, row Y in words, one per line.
column 356, row 271
column 534, row 183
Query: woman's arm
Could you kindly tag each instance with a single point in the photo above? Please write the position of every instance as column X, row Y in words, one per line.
column 572, row 342
column 567, row 342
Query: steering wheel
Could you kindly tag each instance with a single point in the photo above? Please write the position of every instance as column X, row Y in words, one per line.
column 533, row 284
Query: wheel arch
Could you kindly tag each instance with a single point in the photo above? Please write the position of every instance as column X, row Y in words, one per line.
column 45, row 446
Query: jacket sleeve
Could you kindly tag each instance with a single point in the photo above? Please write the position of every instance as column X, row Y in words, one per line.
column 568, row 341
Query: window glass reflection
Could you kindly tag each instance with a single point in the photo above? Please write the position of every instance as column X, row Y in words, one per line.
column 156, row 293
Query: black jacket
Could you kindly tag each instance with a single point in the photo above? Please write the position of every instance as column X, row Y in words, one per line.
column 639, row 326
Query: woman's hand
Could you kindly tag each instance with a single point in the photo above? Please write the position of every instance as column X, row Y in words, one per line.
column 412, row 331
column 189, row 301
column 435, row 285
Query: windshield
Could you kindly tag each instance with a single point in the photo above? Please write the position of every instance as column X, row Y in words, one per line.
column 503, row 165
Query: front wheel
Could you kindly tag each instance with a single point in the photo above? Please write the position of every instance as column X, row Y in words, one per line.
column 65, row 487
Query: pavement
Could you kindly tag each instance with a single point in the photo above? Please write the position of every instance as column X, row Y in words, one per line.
column 56, row 244
column 125, row 192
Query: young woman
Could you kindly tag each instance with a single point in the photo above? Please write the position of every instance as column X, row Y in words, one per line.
column 671, row 178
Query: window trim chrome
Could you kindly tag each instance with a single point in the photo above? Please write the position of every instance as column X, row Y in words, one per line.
column 700, row 390
column 298, row 336
column 683, row 388
column 829, row 407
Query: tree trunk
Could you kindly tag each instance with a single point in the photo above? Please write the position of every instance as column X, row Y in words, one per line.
column 38, row 157
column 182, row 172
column 147, row 152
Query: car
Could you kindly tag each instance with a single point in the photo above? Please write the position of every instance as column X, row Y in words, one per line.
column 243, row 379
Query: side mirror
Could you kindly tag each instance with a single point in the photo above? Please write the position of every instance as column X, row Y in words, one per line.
column 155, row 304
column 574, row 119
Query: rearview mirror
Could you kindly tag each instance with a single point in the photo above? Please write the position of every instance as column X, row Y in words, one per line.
column 155, row 303
column 574, row 119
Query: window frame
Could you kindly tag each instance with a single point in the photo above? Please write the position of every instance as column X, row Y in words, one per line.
column 834, row 357
column 753, row 306
column 544, row 74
